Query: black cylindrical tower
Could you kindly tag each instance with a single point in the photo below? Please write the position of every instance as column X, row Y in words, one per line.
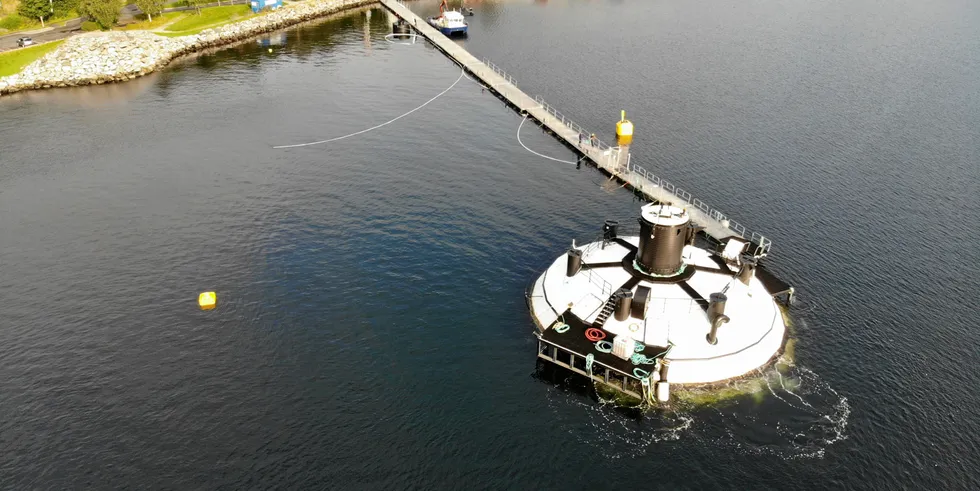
column 574, row 262
column 623, row 303
column 747, row 272
column 663, row 234
column 641, row 300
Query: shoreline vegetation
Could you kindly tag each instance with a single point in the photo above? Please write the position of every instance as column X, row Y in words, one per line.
column 121, row 55
column 12, row 62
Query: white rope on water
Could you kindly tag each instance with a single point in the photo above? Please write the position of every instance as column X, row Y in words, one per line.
column 461, row 73
column 395, row 35
column 536, row 153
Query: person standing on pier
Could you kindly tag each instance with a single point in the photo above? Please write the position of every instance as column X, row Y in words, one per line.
column 581, row 139
column 593, row 140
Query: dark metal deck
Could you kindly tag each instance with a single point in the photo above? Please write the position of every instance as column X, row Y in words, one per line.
column 574, row 341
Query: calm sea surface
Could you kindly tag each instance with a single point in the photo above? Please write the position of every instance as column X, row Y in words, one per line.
column 371, row 329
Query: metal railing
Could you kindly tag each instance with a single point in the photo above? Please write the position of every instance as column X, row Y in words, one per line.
column 763, row 245
column 597, row 280
column 499, row 71
column 603, row 146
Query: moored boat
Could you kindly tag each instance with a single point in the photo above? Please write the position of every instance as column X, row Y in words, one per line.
column 449, row 22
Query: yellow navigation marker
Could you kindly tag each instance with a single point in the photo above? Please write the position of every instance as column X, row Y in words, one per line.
column 207, row 300
column 624, row 130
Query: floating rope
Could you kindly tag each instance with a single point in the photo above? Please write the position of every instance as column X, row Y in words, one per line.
column 601, row 346
column 536, row 153
column 461, row 73
column 395, row 35
column 640, row 359
column 562, row 328
column 593, row 334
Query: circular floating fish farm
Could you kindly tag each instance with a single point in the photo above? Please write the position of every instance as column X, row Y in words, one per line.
column 643, row 311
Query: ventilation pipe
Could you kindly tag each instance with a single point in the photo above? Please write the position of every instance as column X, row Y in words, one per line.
column 641, row 301
column 716, row 315
column 623, row 302
column 747, row 272
column 574, row 262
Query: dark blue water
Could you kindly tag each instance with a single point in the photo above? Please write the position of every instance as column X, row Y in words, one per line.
column 371, row 330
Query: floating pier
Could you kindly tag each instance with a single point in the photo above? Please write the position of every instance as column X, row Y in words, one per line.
column 614, row 160
column 622, row 309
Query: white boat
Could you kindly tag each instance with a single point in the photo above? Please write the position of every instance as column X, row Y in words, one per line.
column 450, row 22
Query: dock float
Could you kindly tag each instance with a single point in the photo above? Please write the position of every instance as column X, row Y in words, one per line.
column 614, row 160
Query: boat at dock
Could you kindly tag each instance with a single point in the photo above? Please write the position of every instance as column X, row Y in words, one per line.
column 449, row 22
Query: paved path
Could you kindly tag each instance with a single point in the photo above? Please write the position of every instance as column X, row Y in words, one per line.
column 72, row 26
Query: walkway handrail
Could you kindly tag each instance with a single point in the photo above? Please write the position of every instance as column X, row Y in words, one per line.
column 499, row 71
column 568, row 121
column 763, row 245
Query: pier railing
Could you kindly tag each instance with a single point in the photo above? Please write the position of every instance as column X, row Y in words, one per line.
column 499, row 71
column 637, row 172
column 763, row 245
column 568, row 121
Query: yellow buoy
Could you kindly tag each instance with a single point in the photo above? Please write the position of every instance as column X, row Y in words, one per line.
column 207, row 300
column 624, row 130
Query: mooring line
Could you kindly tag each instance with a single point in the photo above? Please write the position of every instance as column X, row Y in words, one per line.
column 536, row 153
column 461, row 73
column 389, row 37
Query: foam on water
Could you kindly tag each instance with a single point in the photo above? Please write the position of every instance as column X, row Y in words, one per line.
column 808, row 416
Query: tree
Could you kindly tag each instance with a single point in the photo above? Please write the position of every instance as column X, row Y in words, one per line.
column 35, row 9
column 103, row 12
column 64, row 8
column 151, row 7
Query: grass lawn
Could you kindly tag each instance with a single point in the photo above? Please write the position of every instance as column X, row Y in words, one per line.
column 209, row 17
column 14, row 61
column 157, row 21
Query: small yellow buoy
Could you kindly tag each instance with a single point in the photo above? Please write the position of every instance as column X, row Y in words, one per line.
column 207, row 300
column 270, row 50
column 624, row 130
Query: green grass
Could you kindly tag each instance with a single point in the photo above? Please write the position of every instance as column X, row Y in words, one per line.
column 14, row 61
column 208, row 18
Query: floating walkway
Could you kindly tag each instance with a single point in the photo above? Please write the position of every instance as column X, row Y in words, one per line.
column 613, row 160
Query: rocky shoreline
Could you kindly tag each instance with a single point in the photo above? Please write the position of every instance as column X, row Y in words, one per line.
column 107, row 57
